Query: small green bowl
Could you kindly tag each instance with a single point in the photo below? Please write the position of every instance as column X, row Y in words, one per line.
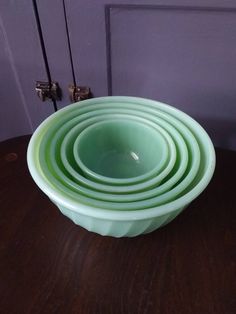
column 120, row 151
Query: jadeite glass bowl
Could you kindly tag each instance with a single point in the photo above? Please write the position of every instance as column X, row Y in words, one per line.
column 68, row 134
column 64, row 140
column 97, row 199
column 132, row 222
column 155, row 193
column 120, row 151
column 50, row 164
column 165, row 161
column 144, row 200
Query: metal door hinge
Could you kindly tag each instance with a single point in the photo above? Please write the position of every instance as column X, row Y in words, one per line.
column 46, row 90
column 78, row 93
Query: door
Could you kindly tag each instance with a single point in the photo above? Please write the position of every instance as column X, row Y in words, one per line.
column 21, row 64
column 178, row 52
column 13, row 116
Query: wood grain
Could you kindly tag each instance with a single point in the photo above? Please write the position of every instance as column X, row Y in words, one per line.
column 50, row 265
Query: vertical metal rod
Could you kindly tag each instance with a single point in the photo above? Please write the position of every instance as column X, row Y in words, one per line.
column 69, row 45
column 36, row 13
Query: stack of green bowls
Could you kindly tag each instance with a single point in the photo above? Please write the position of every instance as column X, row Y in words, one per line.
column 121, row 166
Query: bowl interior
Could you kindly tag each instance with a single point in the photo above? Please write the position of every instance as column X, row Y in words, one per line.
column 139, row 200
column 63, row 142
column 120, row 149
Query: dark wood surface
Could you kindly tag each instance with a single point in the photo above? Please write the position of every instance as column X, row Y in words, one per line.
column 50, row 265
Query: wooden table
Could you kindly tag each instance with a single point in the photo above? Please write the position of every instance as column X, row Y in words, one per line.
column 50, row 265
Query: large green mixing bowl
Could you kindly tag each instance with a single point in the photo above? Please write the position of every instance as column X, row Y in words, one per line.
column 131, row 222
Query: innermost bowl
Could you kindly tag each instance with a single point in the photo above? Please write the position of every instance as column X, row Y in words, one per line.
column 120, row 151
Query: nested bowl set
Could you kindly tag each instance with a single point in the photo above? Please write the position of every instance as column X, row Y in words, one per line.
column 121, row 166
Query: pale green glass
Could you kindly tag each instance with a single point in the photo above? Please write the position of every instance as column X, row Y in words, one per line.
column 144, row 199
column 124, row 223
column 120, row 151
column 157, row 190
column 149, row 198
column 81, row 122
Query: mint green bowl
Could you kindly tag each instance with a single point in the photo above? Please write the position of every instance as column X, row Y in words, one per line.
column 153, row 197
column 131, row 222
column 120, row 151
column 140, row 201
column 65, row 138
column 55, row 165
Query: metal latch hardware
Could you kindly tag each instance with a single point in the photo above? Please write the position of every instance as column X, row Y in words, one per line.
column 78, row 93
column 46, row 90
